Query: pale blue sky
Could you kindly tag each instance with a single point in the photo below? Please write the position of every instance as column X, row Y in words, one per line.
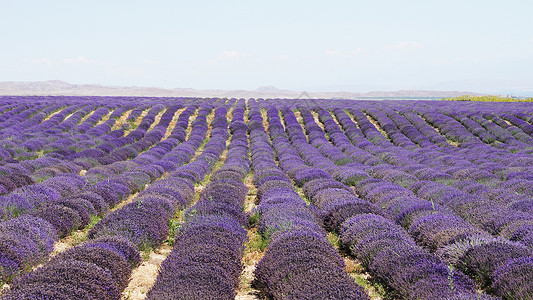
column 289, row 44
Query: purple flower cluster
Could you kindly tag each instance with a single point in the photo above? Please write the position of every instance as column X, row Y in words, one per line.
column 27, row 198
column 92, row 120
column 15, row 120
column 450, row 128
column 512, row 280
column 436, row 227
column 68, row 213
column 206, row 260
column 494, row 211
column 75, row 208
column 456, row 176
column 64, row 213
column 350, row 138
column 393, row 132
column 392, row 257
column 99, row 269
column 369, row 130
column 524, row 125
column 51, row 126
column 13, row 177
column 25, row 241
column 145, row 220
column 299, row 263
column 323, row 191
column 442, row 236
column 336, row 202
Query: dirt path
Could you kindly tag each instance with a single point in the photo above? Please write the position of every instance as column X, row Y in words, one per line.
column 253, row 251
column 144, row 276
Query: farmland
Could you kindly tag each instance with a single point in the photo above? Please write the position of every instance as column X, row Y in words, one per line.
column 209, row 198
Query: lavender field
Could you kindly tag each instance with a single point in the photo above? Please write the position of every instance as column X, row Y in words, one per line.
column 209, row 198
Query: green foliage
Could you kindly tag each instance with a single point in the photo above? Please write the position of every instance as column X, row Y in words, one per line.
column 28, row 156
column 344, row 161
column 174, row 226
column 145, row 253
column 253, row 219
column 257, row 242
column 280, row 227
column 488, row 98
column 94, row 220
column 448, row 181
column 14, row 211
column 80, row 236
column 334, row 240
column 378, row 289
column 132, row 124
column 39, row 179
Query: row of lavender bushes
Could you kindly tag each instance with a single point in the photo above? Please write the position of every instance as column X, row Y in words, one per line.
column 438, row 227
column 137, row 225
column 336, row 204
column 477, row 188
column 72, row 209
column 205, row 262
column 444, row 227
column 299, row 263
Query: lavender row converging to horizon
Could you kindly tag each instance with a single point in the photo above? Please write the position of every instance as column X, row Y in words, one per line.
column 433, row 199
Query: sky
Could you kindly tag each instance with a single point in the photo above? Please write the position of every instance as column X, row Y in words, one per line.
column 299, row 45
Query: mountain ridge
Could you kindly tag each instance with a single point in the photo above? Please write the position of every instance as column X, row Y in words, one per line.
column 62, row 88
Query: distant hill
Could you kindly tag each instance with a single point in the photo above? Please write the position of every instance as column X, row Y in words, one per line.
column 58, row 87
column 520, row 88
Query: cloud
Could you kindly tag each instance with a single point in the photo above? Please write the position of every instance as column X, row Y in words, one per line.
column 344, row 53
column 282, row 56
column 402, row 47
